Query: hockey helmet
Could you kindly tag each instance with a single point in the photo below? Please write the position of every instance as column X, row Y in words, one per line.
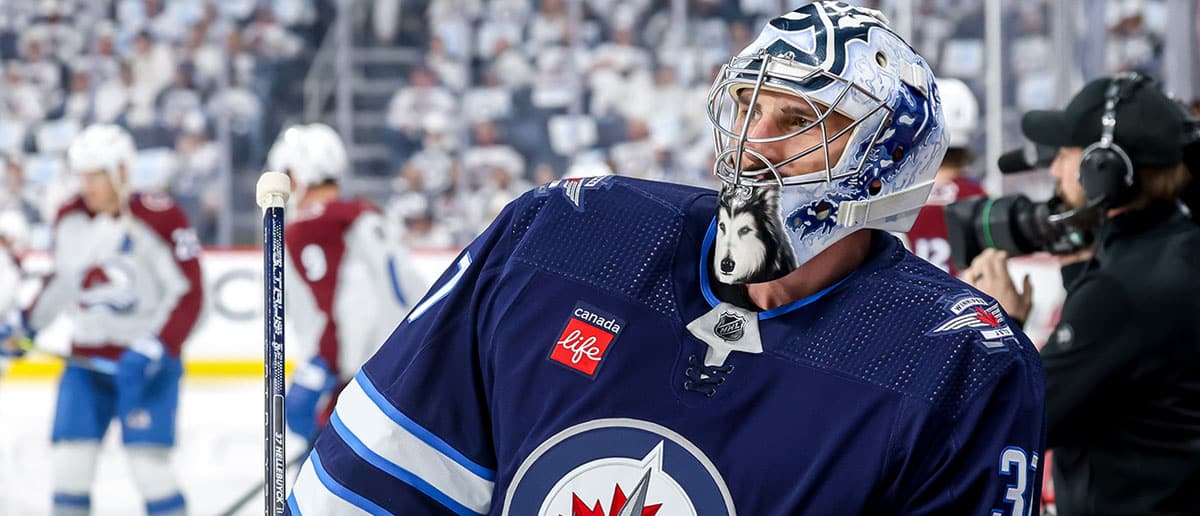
column 102, row 147
column 961, row 111
column 827, row 57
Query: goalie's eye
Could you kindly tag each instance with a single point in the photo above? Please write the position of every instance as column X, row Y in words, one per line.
column 797, row 122
column 743, row 231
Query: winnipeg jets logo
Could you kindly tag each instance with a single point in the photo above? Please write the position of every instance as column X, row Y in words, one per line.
column 617, row 467
column 973, row 313
column 572, row 189
column 633, row 504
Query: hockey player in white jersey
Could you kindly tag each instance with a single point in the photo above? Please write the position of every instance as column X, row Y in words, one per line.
column 348, row 284
column 126, row 274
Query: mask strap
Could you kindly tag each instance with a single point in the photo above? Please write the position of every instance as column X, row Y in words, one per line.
column 867, row 212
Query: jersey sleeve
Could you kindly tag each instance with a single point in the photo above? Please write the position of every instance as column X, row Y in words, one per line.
column 174, row 257
column 60, row 287
column 411, row 433
column 987, row 460
column 379, row 270
column 305, row 320
column 10, row 279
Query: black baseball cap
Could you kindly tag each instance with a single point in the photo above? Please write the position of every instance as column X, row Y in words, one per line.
column 1150, row 128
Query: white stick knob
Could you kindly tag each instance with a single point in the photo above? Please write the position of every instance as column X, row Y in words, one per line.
column 273, row 189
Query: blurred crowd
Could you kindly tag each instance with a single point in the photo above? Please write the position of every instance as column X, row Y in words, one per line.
column 512, row 93
column 509, row 94
column 166, row 71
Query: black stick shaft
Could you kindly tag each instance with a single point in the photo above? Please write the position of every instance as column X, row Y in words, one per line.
column 275, row 479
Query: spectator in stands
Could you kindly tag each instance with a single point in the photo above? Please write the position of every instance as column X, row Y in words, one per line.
column 451, row 21
column 153, row 65
column 196, row 186
column 549, row 27
column 101, row 62
column 270, row 40
column 414, row 106
column 41, row 71
column 510, row 63
column 14, row 195
column 636, row 156
column 112, row 97
column 20, row 100
column 491, row 100
column 450, row 70
column 78, row 105
column 179, row 100
column 503, row 21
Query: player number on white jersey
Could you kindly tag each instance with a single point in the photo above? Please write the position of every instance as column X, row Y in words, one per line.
column 934, row 250
column 1015, row 464
column 187, row 244
column 313, row 259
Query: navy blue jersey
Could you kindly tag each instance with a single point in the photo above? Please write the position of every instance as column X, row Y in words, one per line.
column 551, row 371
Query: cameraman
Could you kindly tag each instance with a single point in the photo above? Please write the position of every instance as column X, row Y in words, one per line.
column 1123, row 364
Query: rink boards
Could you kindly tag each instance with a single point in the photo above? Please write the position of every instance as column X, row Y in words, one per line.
column 227, row 341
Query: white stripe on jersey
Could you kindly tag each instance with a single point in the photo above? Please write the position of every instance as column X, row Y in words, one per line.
column 413, row 450
column 314, row 493
column 419, row 310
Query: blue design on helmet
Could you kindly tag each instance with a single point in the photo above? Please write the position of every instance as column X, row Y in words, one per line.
column 836, row 58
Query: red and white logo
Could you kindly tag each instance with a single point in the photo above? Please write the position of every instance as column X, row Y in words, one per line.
column 585, row 339
column 973, row 313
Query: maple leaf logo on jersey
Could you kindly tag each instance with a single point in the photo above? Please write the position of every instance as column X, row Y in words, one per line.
column 572, row 189
column 635, row 503
column 619, row 501
column 973, row 313
column 588, row 470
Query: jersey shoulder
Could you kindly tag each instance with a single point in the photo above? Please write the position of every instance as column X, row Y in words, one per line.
column 350, row 209
column 922, row 333
column 158, row 212
column 612, row 233
column 74, row 206
column 326, row 225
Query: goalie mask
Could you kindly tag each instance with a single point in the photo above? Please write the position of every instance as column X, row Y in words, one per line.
column 837, row 76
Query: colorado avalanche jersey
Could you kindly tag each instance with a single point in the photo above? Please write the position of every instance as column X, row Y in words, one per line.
column 927, row 238
column 347, row 284
column 123, row 278
column 575, row 361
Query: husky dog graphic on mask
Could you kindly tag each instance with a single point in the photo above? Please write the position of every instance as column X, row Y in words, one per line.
column 751, row 246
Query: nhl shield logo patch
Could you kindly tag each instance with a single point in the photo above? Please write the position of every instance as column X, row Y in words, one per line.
column 730, row 326
column 585, row 339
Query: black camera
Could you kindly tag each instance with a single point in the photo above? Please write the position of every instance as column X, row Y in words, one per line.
column 1017, row 225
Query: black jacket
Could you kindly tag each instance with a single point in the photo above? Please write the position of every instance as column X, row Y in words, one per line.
column 1123, row 372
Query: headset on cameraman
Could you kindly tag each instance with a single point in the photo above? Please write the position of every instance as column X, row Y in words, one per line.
column 1105, row 170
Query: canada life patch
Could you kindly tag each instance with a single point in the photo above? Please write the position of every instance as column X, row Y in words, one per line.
column 585, row 339
column 975, row 314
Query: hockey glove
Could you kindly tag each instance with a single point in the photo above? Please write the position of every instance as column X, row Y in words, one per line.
column 14, row 336
column 134, row 368
column 310, row 383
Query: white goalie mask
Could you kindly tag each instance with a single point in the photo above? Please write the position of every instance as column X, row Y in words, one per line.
column 823, row 58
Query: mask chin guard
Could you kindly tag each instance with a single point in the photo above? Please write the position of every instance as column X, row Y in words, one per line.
column 875, row 212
